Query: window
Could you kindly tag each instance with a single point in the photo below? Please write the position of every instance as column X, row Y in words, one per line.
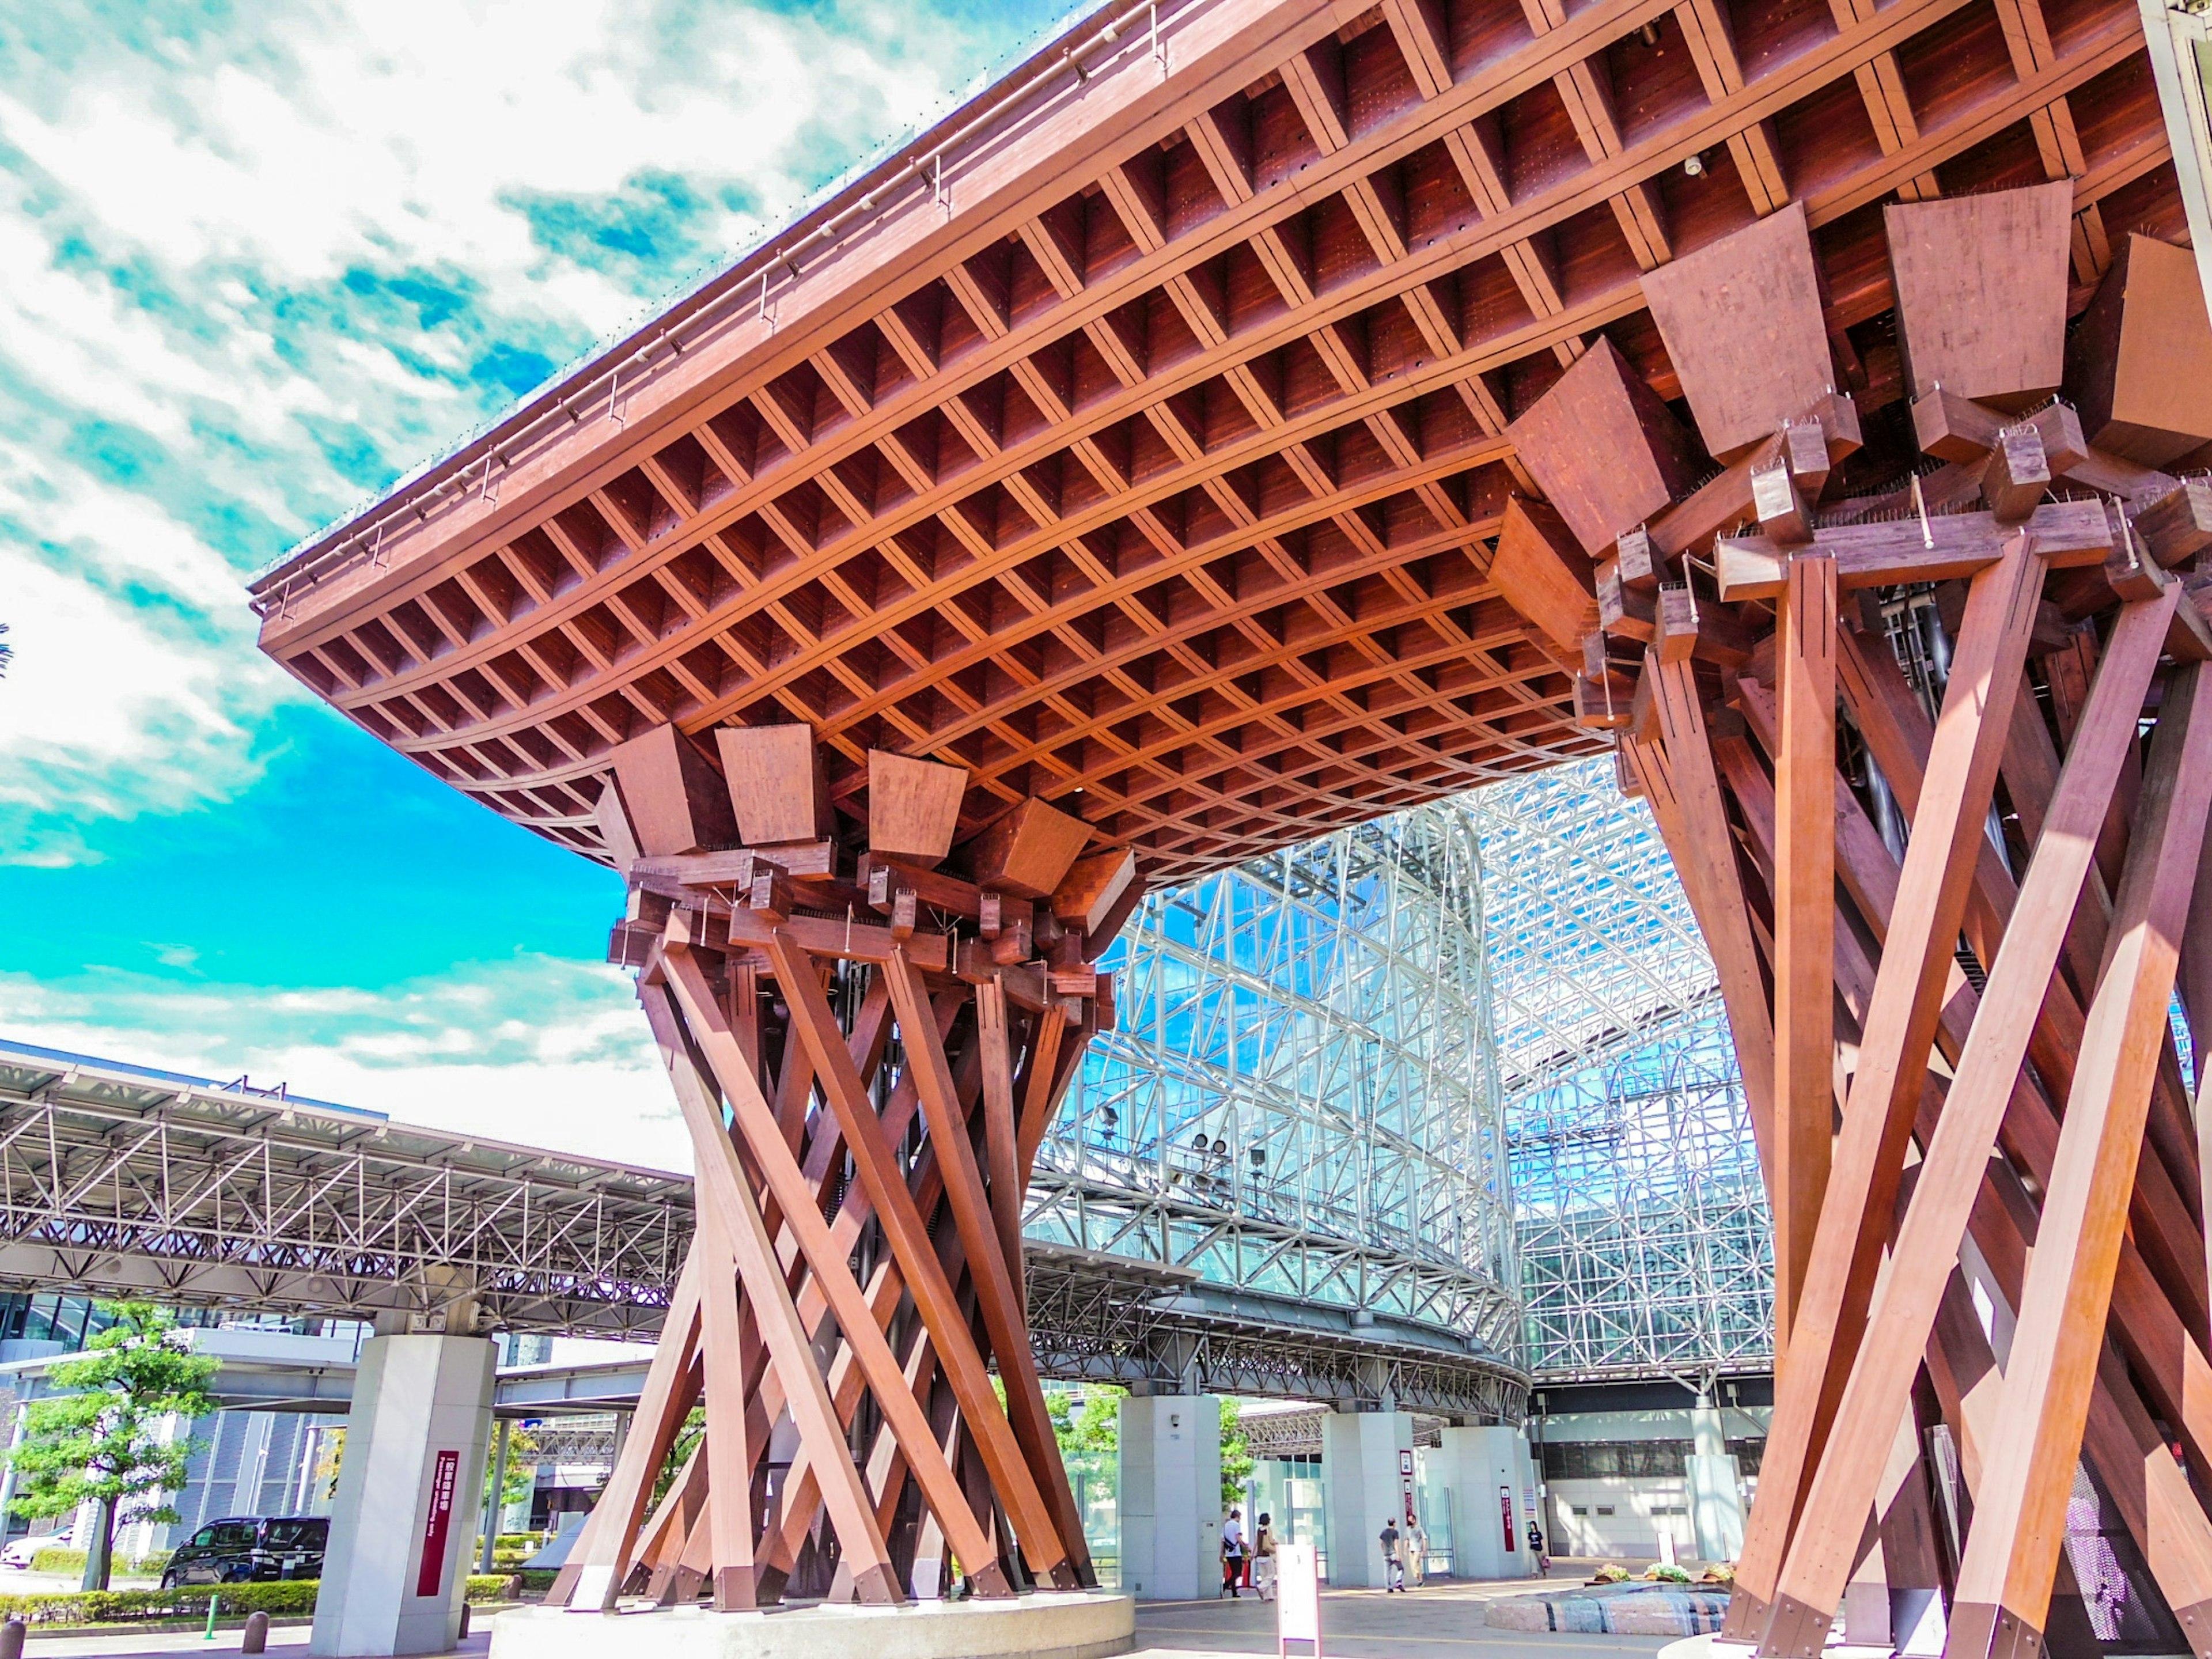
column 1578, row 1509
column 224, row 1535
column 298, row 1534
column 1605, row 1509
column 1576, row 1460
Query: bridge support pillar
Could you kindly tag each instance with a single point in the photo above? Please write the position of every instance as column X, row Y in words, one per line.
column 1366, row 1465
column 410, row 1487
column 1716, row 1484
column 1170, row 1496
column 1485, row 1470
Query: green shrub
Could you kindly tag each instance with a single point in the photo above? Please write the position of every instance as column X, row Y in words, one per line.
column 493, row 1587
column 538, row 1578
column 286, row 1596
column 1665, row 1572
column 57, row 1558
column 1611, row 1573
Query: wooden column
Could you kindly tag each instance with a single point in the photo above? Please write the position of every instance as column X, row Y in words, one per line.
column 1804, row 925
column 2005, row 1579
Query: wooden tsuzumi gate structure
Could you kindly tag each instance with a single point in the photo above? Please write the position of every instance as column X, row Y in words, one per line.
column 1252, row 417
column 1933, row 760
column 867, row 1060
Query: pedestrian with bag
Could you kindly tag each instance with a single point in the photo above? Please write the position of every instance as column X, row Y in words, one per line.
column 1232, row 1557
column 1536, row 1551
column 1415, row 1546
column 1263, row 1559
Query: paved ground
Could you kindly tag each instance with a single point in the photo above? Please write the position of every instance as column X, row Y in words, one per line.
column 1440, row 1620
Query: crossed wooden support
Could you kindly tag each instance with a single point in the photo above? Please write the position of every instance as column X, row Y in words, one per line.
column 1949, row 908
column 866, row 1094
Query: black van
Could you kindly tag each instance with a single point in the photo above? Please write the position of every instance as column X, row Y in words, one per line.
column 243, row 1547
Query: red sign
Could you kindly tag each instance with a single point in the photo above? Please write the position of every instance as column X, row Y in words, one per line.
column 1505, row 1515
column 432, row 1578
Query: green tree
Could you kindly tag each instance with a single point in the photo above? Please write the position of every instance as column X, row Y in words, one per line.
column 99, row 1440
column 1236, row 1459
column 1093, row 1426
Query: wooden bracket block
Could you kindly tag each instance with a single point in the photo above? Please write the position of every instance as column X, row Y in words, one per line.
column 1779, row 504
column 2177, row 526
column 1543, row 575
column 615, row 829
column 1641, row 563
column 1630, row 613
column 676, row 800
column 2139, row 363
column 1604, row 448
column 1981, row 290
column 1805, row 447
column 1743, row 322
column 776, row 785
column 2018, row 475
column 1604, row 704
column 1090, row 886
column 1712, row 633
column 914, row 806
column 1028, row 851
column 769, row 896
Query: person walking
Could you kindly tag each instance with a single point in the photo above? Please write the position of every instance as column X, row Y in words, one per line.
column 1232, row 1557
column 1263, row 1559
column 1536, row 1552
column 1417, row 1552
column 1393, row 1569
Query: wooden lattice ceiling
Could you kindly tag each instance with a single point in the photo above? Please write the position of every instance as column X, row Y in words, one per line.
column 1138, row 441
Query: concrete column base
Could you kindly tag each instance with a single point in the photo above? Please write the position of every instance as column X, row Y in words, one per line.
column 411, row 1484
column 1170, row 1496
column 1486, row 1469
column 1364, row 1484
column 1049, row 1625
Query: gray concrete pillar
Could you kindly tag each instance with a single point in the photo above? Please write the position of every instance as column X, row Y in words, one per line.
column 1486, row 1469
column 1170, row 1496
column 1366, row 1465
column 409, row 1486
column 1715, row 1488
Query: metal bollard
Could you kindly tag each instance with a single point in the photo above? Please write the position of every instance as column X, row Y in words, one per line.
column 11, row 1639
column 463, row 1635
column 256, row 1639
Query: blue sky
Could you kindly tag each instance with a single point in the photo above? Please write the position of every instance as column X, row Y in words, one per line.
column 255, row 262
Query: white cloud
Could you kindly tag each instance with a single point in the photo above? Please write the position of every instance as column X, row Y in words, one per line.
column 271, row 248
column 541, row 1052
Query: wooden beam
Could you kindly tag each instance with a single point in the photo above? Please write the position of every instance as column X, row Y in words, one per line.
column 1942, row 548
column 1856, row 1215
column 907, row 1235
column 1804, row 924
column 1950, row 1174
column 827, row 1260
column 999, row 1302
column 2006, row 1576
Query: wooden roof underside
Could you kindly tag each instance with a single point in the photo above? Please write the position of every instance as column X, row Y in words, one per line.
column 1151, row 463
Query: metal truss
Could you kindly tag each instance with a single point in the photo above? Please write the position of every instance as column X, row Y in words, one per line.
column 1646, row 1246
column 1591, row 940
column 1103, row 1318
column 117, row 1181
column 1299, row 1103
column 1644, row 1241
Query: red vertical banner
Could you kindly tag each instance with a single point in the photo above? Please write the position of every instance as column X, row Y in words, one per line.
column 1505, row 1516
column 432, row 1577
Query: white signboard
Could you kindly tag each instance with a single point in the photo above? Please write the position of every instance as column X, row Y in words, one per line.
column 1298, row 1601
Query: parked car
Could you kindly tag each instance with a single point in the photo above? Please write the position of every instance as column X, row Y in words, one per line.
column 21, row 1551
column 238, row 1548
